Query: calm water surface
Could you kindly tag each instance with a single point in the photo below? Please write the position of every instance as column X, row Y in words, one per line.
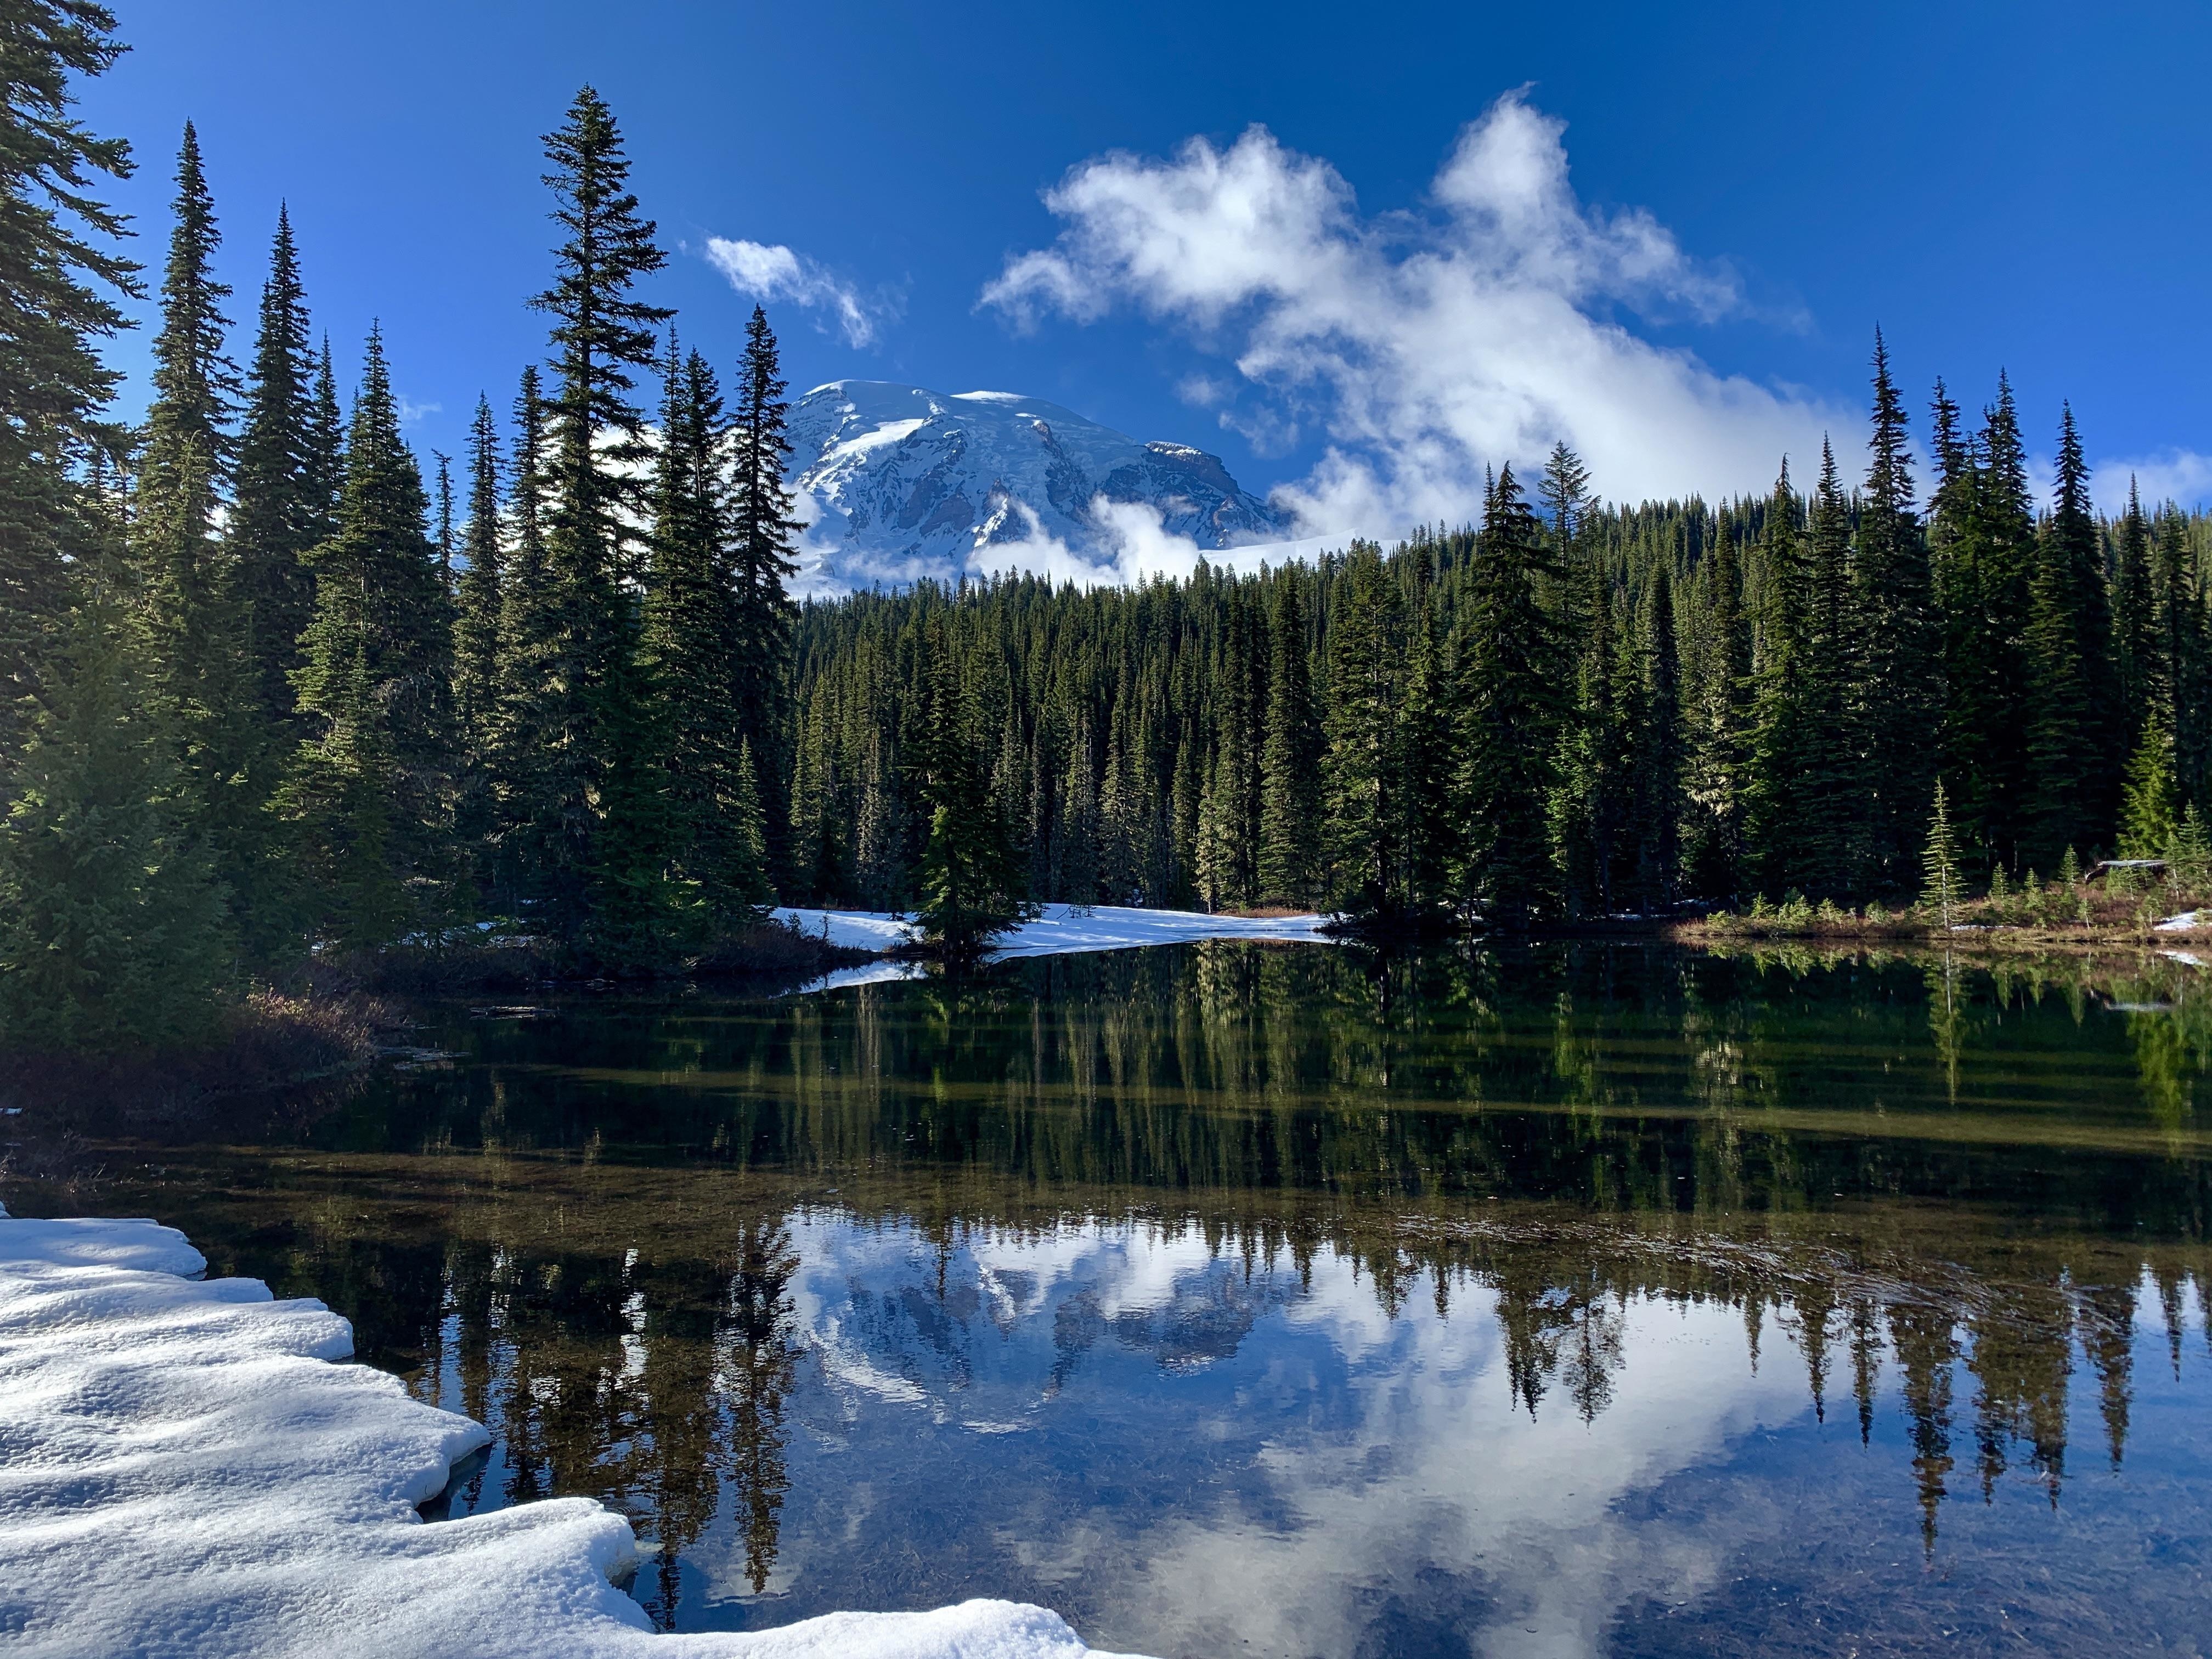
column 1237, row 1299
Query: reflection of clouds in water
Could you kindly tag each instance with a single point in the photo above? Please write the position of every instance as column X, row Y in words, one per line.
column 1400, row 1494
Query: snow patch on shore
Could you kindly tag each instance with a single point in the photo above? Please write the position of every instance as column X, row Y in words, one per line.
column 184, row 1471
column 1060, row 928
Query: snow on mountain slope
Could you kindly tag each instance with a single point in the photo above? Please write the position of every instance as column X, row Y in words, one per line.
column 901, row 482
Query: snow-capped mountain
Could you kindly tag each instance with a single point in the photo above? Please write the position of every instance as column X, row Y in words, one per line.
column 902, row 483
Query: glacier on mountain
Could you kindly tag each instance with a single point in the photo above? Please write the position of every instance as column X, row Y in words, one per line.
column 899, row 483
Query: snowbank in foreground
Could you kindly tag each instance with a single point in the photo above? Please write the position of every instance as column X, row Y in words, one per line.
column 186, row 1473
column 1063, row 928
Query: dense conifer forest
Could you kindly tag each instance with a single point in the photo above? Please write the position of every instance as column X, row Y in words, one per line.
column 272, row 691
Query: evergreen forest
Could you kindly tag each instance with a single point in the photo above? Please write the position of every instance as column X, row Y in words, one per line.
column 274, row 689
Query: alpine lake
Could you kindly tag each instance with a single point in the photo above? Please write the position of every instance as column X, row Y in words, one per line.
column 1248, row 1300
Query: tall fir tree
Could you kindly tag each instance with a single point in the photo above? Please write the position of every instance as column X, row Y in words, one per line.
column 1895, row 656
column 1510, row 700
column 2074, row 738
column 969, row 889
column 1719, row 738
column 370, row 789
column 283, row 507
column 522, row 719
column 2184, row 654
column 477, row 593
column 1366, row 640
column 112, row 924
column 1833, row 790
column 1658, row 759
column 476, row 601
column 1774, row 803
column 762, row 528
column 595, row 874
column 62, row 279
column 1984, row 530
column 192, row 602
column 1289, row 812
column 692, row 648
column 2138, row 668
column 185, row 465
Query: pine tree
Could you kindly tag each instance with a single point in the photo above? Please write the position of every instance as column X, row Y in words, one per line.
column 591, row 818
column 59, row 278
column 1510, row 697
column 966, row 874
column 1939, row 863
column 1719, row 741
column 693, row 645
column 476, row 603
column 282, row 508
column 1775, row 788
column 2150, row 804
column 184, row 468
column 369, row 791
column 1894, row 660
column 524, row 720
column 477, row 593
column 1290, row 814
column 1360, row 771
column 762, row 528
column 1658, row 760
column 1836, row 696
column 112, row 926
column 1984, row 530
column 2184, row 655
column 2137, row 664
column 2069, row 635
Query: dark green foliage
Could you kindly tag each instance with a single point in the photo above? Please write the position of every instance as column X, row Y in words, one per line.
column 2075, row 737
column 282, row 507
column 1835, row 697
column 1656, row 756
column 695, row 653
column 1984, row 554
column 2136, row 660
column 970, row 888
column 1510, row 703
column 589, row 813
column 112, row 927
column 1289, row 762
column 184, row 467
column 1366, row 645
column 761, row 528
column 369, row 793
column 60, row 279
column 1716, row 655
column 2150, row 801
column 2180, row 676
column 1891, row 647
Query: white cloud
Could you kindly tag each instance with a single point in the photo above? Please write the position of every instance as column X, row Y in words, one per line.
column 1132, row 544
column 410, row 412
column 1425, row 347
column 2181, row 476
column 769, row 270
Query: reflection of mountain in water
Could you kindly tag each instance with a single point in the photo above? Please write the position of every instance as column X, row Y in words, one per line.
column 1396, row 1263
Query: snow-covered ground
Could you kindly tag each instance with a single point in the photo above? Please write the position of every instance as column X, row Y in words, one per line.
column 184, row 1472
column 1063, row 928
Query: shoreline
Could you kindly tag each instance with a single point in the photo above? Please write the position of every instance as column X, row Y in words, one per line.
column 161, row 1415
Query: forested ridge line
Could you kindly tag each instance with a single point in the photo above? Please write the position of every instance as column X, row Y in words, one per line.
column 276, row 696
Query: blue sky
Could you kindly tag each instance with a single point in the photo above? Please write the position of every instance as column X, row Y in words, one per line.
column 1752, row 188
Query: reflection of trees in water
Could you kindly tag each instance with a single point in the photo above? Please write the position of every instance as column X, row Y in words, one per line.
column 1702, row 1115
column 658, row 1386
column 660, row 1381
